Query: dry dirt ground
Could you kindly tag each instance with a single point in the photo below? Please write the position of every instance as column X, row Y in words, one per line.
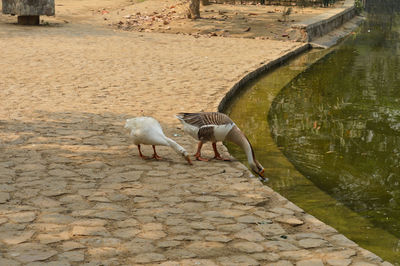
column 248, row 21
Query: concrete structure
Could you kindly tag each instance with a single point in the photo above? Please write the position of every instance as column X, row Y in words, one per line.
column 28, row 11
column 326, row 22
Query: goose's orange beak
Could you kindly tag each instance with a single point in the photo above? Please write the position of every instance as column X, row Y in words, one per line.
column 261, row 173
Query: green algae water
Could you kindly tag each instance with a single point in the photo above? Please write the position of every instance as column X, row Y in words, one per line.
column 326, row 127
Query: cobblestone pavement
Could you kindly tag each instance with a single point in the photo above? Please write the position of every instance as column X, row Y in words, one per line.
column 73, row 190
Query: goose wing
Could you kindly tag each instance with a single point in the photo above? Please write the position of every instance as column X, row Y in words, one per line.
column 205, row 119
column 207, row 126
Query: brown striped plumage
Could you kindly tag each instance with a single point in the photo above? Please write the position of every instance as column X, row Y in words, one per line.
column 206, row 118
column 206, row 134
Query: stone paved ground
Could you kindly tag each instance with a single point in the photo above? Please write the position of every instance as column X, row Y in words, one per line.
column 73, row 190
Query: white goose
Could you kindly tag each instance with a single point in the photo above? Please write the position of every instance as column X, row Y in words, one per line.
column 148, row 131
column 214, row 126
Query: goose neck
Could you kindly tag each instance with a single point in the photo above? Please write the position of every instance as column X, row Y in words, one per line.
column 178, row 148
column 237, row 137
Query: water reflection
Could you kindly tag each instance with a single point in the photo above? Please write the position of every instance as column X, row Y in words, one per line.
column 339, row 122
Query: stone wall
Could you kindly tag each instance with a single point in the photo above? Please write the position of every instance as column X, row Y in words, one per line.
column 326, row 22
column 256, row 73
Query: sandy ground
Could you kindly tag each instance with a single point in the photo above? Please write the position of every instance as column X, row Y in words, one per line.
column 99, row 70
column 74, row 191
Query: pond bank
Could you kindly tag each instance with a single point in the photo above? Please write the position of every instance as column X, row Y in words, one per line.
column 284, row 177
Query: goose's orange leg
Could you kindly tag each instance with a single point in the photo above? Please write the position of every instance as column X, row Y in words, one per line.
column 198, row 153
column 217, row 155
column 141, row 154
column 155, row 155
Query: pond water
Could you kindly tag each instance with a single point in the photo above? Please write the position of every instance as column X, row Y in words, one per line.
column 335, row 115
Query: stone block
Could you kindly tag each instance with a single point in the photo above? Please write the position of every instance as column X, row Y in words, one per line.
column 29, row 7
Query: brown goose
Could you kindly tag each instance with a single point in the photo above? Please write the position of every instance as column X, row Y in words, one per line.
column 214, row 127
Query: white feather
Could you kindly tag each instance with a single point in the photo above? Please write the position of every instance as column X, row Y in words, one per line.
column 190, row 129
column 148, row 131
column 221, row 131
